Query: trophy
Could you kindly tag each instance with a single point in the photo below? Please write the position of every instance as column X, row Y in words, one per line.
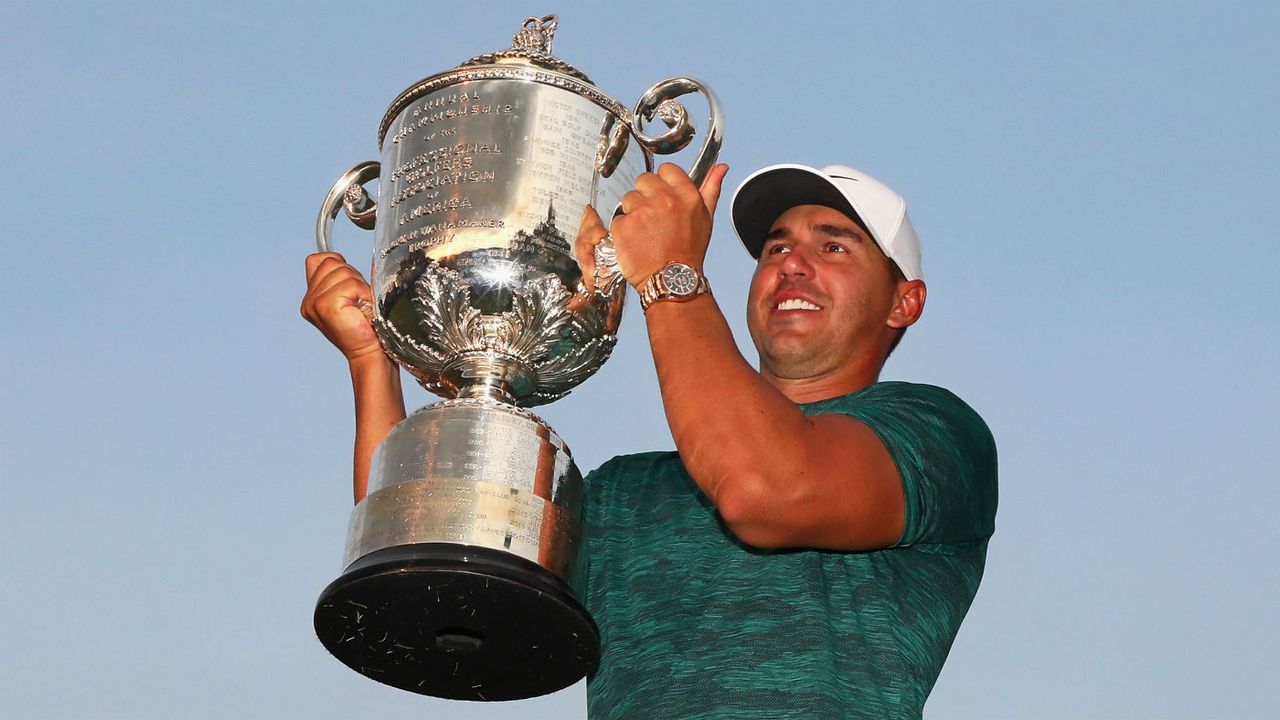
column 459, row 567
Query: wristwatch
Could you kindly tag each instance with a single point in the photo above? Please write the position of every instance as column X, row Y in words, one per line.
column 676, row 282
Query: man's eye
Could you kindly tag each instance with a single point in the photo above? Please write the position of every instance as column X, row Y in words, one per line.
column 777, row 249
column 835, row 247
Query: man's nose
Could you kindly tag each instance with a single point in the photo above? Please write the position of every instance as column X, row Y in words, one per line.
column 797, row 263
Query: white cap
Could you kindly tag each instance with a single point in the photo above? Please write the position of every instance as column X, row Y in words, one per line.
column 769, row 192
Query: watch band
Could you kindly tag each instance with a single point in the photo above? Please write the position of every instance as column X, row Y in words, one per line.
column 676, row 282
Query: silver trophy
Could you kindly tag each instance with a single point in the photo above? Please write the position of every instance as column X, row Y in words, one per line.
column 459, row 567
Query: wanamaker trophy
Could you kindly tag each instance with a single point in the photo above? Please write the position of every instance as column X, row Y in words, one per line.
column 459, row 565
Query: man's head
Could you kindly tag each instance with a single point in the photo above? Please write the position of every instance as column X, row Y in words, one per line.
column 838, row 278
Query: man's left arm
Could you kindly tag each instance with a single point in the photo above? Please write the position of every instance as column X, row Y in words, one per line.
column 778, row 477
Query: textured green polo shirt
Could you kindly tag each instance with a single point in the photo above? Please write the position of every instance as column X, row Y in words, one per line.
column 694, row 624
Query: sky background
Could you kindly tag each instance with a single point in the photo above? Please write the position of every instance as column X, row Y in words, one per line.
column 1095, row 186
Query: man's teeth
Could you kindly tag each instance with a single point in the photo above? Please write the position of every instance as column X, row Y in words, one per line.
column 797, row 304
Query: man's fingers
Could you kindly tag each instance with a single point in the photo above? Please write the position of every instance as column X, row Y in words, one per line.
column 675, row 176
column 631, row 200
column 648, row 184
column 332, row 286
column 672, row 177
column 590, row 230
column 315, row 260
column 330, row 274
column 711, row 186
column 341, row 293
column 324, row 270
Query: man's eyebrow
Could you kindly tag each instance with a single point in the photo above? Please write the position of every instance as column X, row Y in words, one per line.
column 776, row 233
column 838, row 231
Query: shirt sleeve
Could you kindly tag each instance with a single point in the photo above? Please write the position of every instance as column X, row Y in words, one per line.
column 945, row 454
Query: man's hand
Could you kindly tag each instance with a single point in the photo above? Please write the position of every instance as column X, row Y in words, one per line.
column 667, row 219
column 335, row 292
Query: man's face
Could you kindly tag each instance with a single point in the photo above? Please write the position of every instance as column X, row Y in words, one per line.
column 820, row 296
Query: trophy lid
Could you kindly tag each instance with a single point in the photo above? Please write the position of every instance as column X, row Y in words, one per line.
column 531, row 45
column 529, row 54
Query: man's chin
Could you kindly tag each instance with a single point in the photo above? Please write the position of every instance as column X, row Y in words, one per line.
column 791, row 361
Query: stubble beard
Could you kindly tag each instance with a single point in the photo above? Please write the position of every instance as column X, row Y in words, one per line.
column 793, row 358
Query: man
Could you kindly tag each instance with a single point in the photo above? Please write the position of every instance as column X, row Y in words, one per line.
column 811, row 548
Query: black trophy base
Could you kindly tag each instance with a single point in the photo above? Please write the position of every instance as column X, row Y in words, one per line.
column 457, row 622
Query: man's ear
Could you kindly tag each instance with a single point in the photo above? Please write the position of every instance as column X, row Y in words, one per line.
column 908, row 305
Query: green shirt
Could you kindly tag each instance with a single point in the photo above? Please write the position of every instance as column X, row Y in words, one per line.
column 694, row 624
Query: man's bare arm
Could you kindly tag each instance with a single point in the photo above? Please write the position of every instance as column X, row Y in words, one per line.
column 779, row 478
column 379, row 405
column 335, row 292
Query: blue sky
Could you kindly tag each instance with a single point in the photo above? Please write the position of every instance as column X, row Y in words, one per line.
column 1094, row 185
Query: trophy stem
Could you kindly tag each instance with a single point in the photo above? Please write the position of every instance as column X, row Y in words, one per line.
column 488, row 376
column 489, row 388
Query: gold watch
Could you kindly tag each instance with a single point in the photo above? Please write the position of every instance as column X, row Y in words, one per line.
column 676, row 282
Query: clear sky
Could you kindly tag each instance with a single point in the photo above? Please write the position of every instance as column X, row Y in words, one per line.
column 1095, row 185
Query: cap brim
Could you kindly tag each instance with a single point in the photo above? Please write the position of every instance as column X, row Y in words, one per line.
column 768, row 193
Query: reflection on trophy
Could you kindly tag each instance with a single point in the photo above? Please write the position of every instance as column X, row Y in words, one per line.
column 459, row 566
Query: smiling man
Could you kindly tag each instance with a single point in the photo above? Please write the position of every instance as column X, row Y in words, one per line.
column 813, row 544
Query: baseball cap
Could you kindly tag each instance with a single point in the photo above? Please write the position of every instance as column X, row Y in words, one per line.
column 771, row 191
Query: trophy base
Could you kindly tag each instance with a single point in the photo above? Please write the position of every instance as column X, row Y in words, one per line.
column 457, row 622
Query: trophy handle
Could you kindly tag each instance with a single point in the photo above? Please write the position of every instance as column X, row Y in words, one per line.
column 660, row 100
column 348, row 194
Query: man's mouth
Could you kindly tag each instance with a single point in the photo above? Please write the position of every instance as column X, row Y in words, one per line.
column 796, row 304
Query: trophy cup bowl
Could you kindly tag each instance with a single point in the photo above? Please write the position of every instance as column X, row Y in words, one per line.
column 460, row 561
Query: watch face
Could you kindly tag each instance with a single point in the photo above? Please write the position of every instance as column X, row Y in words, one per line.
column 680, row 279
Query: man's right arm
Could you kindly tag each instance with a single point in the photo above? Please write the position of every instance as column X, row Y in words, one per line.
column 335, row 293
